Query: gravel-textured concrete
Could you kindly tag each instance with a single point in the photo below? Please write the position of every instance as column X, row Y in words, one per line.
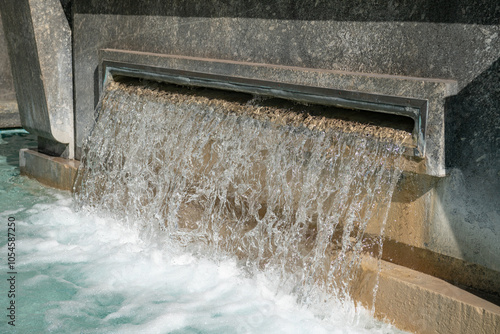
column 39, row 40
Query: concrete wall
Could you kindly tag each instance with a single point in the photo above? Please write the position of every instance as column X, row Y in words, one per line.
column 397, row 38
column 39, row 43
column 6, row 85
column 9, row 115
column 457, row 216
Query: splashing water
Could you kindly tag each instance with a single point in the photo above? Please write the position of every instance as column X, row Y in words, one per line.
column 224, row 179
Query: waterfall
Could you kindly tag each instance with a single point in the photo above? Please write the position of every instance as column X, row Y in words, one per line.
column 281, row 189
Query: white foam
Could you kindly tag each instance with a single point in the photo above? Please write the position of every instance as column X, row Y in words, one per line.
column 96, row 275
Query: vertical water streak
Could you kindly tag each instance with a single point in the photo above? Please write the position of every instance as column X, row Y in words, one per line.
column 292, row 199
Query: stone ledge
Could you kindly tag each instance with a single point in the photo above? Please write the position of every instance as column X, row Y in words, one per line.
column 420, row 303
column 52, row 171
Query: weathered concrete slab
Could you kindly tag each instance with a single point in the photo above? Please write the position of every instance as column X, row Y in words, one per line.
column 421, row 303
column 39, row 43
column 52, row 171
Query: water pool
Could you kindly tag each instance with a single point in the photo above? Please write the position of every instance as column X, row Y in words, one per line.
column 86, row 273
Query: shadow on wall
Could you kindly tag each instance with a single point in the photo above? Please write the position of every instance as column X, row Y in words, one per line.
column 471, row 194
column 438, row 11
column 473, row 127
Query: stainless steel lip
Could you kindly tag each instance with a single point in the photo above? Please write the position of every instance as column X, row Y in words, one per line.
column 402, row 106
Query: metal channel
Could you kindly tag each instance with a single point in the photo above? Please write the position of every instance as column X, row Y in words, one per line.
column 408, row 107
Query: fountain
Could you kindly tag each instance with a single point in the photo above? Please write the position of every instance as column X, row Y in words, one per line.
column 233, row 174
column 291, row 135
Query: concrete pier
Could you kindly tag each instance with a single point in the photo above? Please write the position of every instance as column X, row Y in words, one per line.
column 39, row 43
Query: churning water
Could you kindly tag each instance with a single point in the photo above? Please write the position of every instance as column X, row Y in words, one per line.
column 282, row 193
column 194, row 217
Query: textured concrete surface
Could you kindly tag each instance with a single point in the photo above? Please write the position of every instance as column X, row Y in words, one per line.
column 398, row 48
column 9, row 115
column 428, row 39
column 52, row 171
column 433, row 223
column 421, row 303
column 7, row 92
column 39, row 43
column 453, row 11
column 396, row 38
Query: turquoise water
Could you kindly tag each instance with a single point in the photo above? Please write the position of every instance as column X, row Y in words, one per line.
column 87, row 273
